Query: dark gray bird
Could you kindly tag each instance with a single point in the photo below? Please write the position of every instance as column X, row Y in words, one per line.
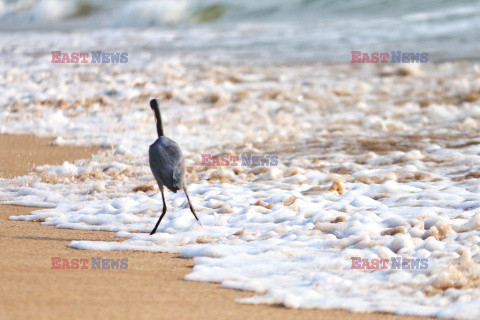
column 167, row 164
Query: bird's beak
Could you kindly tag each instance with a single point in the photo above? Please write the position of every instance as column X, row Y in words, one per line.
column 155, row 117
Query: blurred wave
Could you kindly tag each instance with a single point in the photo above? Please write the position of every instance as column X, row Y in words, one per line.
column 449, row 29
column 146, row 13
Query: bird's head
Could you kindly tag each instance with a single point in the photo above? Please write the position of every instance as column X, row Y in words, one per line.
column 158, row 117
column 154, row 106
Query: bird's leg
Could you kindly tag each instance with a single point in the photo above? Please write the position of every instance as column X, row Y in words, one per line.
column 163, row 212
column 190, row 205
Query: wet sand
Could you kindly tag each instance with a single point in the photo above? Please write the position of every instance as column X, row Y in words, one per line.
column 21, row 153
column 150, row 288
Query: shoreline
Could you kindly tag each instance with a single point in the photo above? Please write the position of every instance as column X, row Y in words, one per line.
column 151, row 287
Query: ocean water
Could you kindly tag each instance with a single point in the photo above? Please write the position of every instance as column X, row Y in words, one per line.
column 278, row 30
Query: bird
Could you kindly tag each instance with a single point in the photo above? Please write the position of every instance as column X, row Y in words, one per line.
column 167, row 164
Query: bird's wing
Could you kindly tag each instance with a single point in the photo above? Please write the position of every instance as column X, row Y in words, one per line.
column 167, row 164
column 178, row 174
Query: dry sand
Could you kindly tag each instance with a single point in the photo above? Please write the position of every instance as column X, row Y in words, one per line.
column 151, row 287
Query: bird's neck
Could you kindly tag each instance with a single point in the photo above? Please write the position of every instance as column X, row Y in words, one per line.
column 159, row 123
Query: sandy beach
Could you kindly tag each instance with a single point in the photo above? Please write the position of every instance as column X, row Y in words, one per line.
column 151, row 287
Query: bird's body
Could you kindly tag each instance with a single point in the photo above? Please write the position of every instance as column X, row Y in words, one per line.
column 167, row 164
